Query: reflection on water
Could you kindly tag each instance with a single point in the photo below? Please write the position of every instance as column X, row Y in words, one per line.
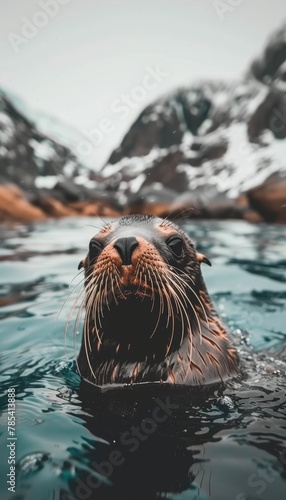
column 143, row 443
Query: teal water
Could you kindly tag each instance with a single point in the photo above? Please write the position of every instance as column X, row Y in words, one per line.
column 75, row 444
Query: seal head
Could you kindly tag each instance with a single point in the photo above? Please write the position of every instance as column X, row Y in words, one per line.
column 148, row 315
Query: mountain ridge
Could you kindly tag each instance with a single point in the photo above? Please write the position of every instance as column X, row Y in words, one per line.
column 211, row 149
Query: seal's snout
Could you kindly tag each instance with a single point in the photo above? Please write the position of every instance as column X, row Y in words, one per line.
column 125, row 247
column 149, row 317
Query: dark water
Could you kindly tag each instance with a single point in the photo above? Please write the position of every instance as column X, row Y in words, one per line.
column 73, row 443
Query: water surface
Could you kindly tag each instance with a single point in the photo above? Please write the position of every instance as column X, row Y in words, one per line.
column 228, row 445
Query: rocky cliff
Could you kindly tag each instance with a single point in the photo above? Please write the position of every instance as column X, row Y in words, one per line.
column 215, row 148
column 39, row 176
column 211, row 149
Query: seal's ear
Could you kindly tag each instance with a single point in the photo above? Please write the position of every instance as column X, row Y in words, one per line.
column 81, row 264
column 202, row 258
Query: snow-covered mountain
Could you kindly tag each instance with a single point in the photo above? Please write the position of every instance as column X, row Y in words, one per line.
column 210, row 149
column 214, row 147
column 40, row 173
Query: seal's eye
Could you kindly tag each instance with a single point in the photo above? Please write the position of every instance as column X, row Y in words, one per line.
column 175, row 244
column 95, row 248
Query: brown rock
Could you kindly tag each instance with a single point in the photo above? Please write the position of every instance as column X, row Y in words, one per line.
column 252, row 216
column 55, row 208
column 269, row 199
column 94, row 208
column 154, row 127
column 14, row 205
column 164, row 170
column 157, row 209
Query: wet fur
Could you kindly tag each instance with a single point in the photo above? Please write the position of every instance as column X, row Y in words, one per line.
column 152, row 320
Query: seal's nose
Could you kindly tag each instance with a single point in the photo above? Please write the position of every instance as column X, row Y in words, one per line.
column 125, row 247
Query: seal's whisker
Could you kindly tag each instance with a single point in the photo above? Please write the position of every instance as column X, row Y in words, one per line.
column 170, row 311
column 80, row 310
column 166, row 222
column 179, row 311
column 143, row 273
column 175, row 276
column 158, row 318
column 190, row 303
column 140, row 278
column 100, row 295
column 88, row 304
column 119, row 288
column 72, row 310
column 142, row 283
column 106, row 289
column 98, row 308
column 89, row 311
column 74, row 345
column 152, row 288
column 70, row 294
column 82, row 291
column 92, row 297
column 192, row 290
column 76, row 276
column 173, row 330
column 167, row 297
column 161, row 301
column 114, row 273
column 97, row 298
column 140, row 274
column 147, row 284
column 85, row 336
column 192, row 345
column 181, row 304
column 113, row 291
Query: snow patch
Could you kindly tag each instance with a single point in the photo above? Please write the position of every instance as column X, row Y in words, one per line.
column 244, row 165
column 82, row 180
column 6, row 128
column 46, row 181
column 136, row 183
column 42, row 150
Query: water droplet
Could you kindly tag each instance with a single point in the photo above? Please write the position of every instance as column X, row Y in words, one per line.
column 225, row 403
column 38, row 421
column 269, row 369
column 60, row 366
column 64, row 392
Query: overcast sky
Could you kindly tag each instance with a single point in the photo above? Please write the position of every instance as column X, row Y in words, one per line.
column 83, row 59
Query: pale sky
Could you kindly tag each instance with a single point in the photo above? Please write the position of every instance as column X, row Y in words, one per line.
column 89, row 54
